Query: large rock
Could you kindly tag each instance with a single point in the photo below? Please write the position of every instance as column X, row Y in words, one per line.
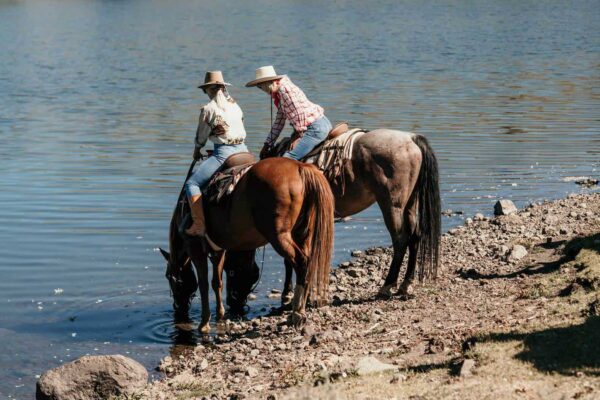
column 504, row 207
column 371, row 365
column 92, row 377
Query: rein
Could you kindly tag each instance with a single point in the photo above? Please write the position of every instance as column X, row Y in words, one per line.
column 262, row 265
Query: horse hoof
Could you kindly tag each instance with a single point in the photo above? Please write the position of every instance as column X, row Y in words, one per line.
column 204, row 328
column 405, row 291
column 286, row 298
column 297, row 320
column 386, row 292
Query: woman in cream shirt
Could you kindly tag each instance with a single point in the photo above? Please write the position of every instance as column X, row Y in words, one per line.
column 221, row 121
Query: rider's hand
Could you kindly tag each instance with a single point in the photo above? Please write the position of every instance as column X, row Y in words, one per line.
column 264, row 153
column 219, row 130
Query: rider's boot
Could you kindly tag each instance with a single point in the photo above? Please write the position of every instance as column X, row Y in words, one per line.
column 198, row 227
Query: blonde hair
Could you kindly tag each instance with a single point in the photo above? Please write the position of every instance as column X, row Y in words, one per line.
column 222, row 98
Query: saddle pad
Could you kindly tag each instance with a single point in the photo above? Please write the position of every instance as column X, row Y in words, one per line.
column 222, row 183
column 331, row 156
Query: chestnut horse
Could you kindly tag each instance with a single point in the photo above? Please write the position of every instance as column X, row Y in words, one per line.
column 278, row 201
column 399, row 171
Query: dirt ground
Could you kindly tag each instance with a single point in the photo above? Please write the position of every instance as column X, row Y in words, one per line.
column 514, row 313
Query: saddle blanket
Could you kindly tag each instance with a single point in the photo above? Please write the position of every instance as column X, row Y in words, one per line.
column 222, row 184
column 341, row 147
column 331, row 156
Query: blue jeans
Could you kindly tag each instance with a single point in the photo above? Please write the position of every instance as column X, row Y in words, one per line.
column 315, row 133
column 202, row 174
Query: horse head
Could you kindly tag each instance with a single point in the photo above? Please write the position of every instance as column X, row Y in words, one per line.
column 242, row 275
column 182, row 281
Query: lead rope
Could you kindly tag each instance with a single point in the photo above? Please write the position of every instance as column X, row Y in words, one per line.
column 271, row 102
column 262, row 264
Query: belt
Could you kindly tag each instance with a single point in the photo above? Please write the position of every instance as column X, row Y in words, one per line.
column 231, row 141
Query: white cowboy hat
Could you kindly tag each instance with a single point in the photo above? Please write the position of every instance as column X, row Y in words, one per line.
column 264, row 74
column 213, row 78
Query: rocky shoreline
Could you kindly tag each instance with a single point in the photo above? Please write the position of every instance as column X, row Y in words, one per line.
column 507, row 277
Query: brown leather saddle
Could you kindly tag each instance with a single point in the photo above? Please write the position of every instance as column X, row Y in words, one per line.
column 337, row 130
column 237, row 159
column 226, row 177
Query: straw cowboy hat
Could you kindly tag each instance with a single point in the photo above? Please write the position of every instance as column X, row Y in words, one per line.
column 264, row 74
column 213, row 78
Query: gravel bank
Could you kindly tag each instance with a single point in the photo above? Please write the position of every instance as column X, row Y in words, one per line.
column 504, row 274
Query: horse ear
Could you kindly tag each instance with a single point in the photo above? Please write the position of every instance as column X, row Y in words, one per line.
column 165, row 254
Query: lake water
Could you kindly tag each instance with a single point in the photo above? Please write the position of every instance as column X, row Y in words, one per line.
column 98, row 108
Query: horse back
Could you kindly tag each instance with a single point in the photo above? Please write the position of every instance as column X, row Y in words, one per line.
column 267, row 187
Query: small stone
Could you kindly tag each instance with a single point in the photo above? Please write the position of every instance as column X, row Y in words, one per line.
column 356, row 253
column 397, row 378
column 587, row 182
column 203, row 364
column 466, row 369
column 251, row 297
column 308, row 330
column 251, row 372
column 479, row 217
column 371, row 365
column 468, row 221
column 504, row 207
column 354, row 272
column 502, row 250
column 254, row 352
column 517, row 252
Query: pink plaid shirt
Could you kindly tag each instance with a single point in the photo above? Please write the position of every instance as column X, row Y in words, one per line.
column 292, row 104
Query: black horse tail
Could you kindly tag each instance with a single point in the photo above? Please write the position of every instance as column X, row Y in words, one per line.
column 430, row 217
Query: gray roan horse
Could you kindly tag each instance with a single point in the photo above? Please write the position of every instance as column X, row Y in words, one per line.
column 399, row 171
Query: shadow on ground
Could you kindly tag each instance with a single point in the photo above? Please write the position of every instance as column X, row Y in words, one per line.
column 565, row 350
column 571, row 249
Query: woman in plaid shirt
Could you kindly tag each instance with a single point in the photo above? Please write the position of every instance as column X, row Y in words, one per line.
column 307, row 118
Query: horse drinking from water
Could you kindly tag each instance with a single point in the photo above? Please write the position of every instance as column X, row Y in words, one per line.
column 282, row 202
column 399, row 171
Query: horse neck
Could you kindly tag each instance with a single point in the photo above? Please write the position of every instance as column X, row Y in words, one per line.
column 176, row 244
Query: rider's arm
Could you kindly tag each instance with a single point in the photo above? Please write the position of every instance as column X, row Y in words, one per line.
column 203, row 129
column 276, row 129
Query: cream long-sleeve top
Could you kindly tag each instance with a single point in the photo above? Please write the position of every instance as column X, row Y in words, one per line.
column 231, row 118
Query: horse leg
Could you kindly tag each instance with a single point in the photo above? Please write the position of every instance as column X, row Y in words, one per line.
column 393, row 216
column 200, row 260
column 413, row 250
column 288, row 288
column 298, row 316
column 218, row 261
column 284, row 244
